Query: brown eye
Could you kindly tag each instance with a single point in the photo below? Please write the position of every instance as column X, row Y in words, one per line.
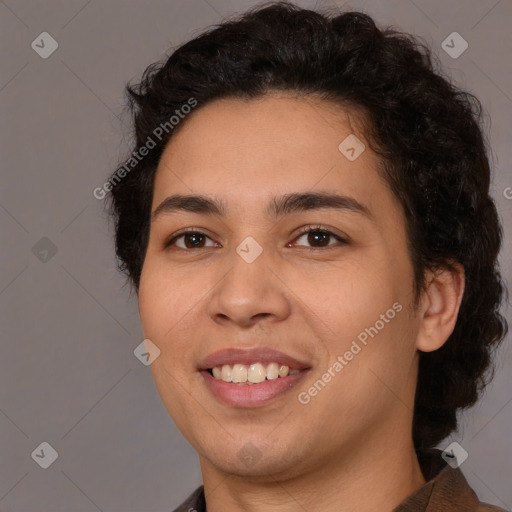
column 318, row 237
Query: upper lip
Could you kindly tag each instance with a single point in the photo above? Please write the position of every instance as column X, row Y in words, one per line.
column 249, row 356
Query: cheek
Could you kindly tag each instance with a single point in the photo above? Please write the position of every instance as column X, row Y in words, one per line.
column 152, row 297
column 360, row 309
column 163, row 308
column 347, row 296
column 164, row 302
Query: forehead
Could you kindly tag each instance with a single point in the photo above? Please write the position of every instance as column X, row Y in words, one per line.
column 242, row 150
column 294, row 126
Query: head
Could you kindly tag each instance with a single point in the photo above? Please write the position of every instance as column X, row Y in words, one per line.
column 259, row 107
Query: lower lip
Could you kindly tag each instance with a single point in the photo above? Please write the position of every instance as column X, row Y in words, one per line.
column 250, row 395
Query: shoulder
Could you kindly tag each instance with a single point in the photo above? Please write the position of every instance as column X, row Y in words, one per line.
column 194, row 503
column 446, row 489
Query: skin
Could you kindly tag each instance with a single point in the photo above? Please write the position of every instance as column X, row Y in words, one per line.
column 349, row 448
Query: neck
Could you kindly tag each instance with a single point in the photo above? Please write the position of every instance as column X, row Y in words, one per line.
column 377, row 477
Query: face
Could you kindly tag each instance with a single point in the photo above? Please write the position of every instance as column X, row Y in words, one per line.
column 320, row 283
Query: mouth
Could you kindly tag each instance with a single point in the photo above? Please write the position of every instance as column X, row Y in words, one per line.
column 250, row 378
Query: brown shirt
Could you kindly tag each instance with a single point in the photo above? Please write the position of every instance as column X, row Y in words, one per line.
column 446, row 490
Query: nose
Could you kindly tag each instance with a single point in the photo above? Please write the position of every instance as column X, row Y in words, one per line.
column 251, row 292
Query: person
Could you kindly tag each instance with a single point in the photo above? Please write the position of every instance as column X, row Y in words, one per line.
column 305, row 217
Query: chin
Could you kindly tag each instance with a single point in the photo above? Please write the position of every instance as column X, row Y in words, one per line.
column 260, row 460
column 266, row 468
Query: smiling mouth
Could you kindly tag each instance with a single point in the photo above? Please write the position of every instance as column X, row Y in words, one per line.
column 253, row 373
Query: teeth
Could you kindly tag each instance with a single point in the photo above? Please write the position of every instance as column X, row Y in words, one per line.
column 272, row 371
column 239, row 373
column 252, row 374
column 256, row 373
column 226, row 373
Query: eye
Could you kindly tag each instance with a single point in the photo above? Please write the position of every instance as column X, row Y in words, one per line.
column 317, row 236
column 191, row 240
column 320, row 237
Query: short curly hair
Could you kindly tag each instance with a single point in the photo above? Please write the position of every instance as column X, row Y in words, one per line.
column 425, row 130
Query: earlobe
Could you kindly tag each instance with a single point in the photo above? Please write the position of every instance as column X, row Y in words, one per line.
column 440, row 303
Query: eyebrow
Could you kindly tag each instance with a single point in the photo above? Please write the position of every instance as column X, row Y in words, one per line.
column 276, row 208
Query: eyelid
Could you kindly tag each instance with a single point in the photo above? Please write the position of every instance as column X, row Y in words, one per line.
column 342, row 239
column 186, row 231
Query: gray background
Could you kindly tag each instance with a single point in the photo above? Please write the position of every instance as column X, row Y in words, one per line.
column 68, row 375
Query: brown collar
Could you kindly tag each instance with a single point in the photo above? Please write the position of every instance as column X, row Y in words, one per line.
column 446, row 488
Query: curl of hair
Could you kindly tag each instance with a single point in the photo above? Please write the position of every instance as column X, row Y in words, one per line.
column 426, row 131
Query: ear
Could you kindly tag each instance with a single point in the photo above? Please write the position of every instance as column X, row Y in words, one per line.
column 439, row 307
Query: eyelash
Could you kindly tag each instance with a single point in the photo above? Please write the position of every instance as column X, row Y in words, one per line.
column 303, row 231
